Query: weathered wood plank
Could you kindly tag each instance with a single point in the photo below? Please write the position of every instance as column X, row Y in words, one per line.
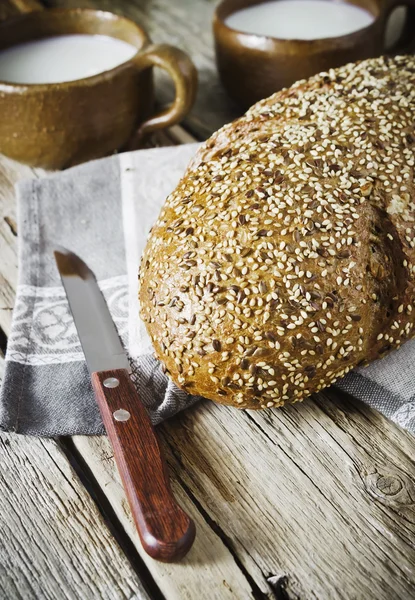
column 209, row 570
column 54, row 543
column 323, row 495
column 10, row 173
column 318, row 496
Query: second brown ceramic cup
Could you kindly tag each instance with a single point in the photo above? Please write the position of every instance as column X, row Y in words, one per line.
column 252, row 67
column 62, row 124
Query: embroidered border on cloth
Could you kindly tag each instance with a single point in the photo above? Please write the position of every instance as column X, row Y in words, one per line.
column 43, row 331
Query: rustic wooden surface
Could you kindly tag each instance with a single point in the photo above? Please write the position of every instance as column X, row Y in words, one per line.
column 54, row 542
column 313, row 501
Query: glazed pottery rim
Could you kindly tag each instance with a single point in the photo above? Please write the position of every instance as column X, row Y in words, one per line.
column 219, row 21
column 13, row 87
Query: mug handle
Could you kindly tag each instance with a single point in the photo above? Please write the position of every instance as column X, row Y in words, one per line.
column 183, row 72
column 406, row 42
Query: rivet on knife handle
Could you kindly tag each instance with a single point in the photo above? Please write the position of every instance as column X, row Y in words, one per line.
column 165, row 530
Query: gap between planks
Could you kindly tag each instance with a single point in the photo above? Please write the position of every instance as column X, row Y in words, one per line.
column 210, row 569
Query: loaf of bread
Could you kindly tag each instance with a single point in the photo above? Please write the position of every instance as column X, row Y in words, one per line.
column 285, row 257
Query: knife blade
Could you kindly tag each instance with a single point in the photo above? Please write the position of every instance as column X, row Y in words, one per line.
column 166, row 531
column 96, row 330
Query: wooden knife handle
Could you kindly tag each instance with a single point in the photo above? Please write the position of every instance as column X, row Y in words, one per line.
column 166, row 531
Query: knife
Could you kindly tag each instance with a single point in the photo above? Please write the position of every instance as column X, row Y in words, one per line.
column 166, row 531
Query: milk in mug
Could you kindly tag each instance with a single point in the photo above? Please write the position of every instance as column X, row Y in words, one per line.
column 63, row 58
column 300, row 19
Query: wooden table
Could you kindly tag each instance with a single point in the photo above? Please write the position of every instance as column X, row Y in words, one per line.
column 313, row 501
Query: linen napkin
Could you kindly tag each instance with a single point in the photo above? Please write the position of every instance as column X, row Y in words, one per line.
column 103, row 211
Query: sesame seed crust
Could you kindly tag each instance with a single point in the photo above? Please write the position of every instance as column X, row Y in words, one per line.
column 285, row 257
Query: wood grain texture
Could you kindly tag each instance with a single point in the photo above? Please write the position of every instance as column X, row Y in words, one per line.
column 323, row 492
column 316, row 498
column 209, row 571
column 166, row 531
column 10, row 173
column 54, row 543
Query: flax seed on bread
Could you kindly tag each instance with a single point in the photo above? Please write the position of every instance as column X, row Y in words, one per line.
column 285, row 256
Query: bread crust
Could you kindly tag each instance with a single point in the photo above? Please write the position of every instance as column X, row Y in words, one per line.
column 285, row 256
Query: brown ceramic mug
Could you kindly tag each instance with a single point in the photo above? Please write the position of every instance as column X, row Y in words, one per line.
column 57, row 125
column 252, row 67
